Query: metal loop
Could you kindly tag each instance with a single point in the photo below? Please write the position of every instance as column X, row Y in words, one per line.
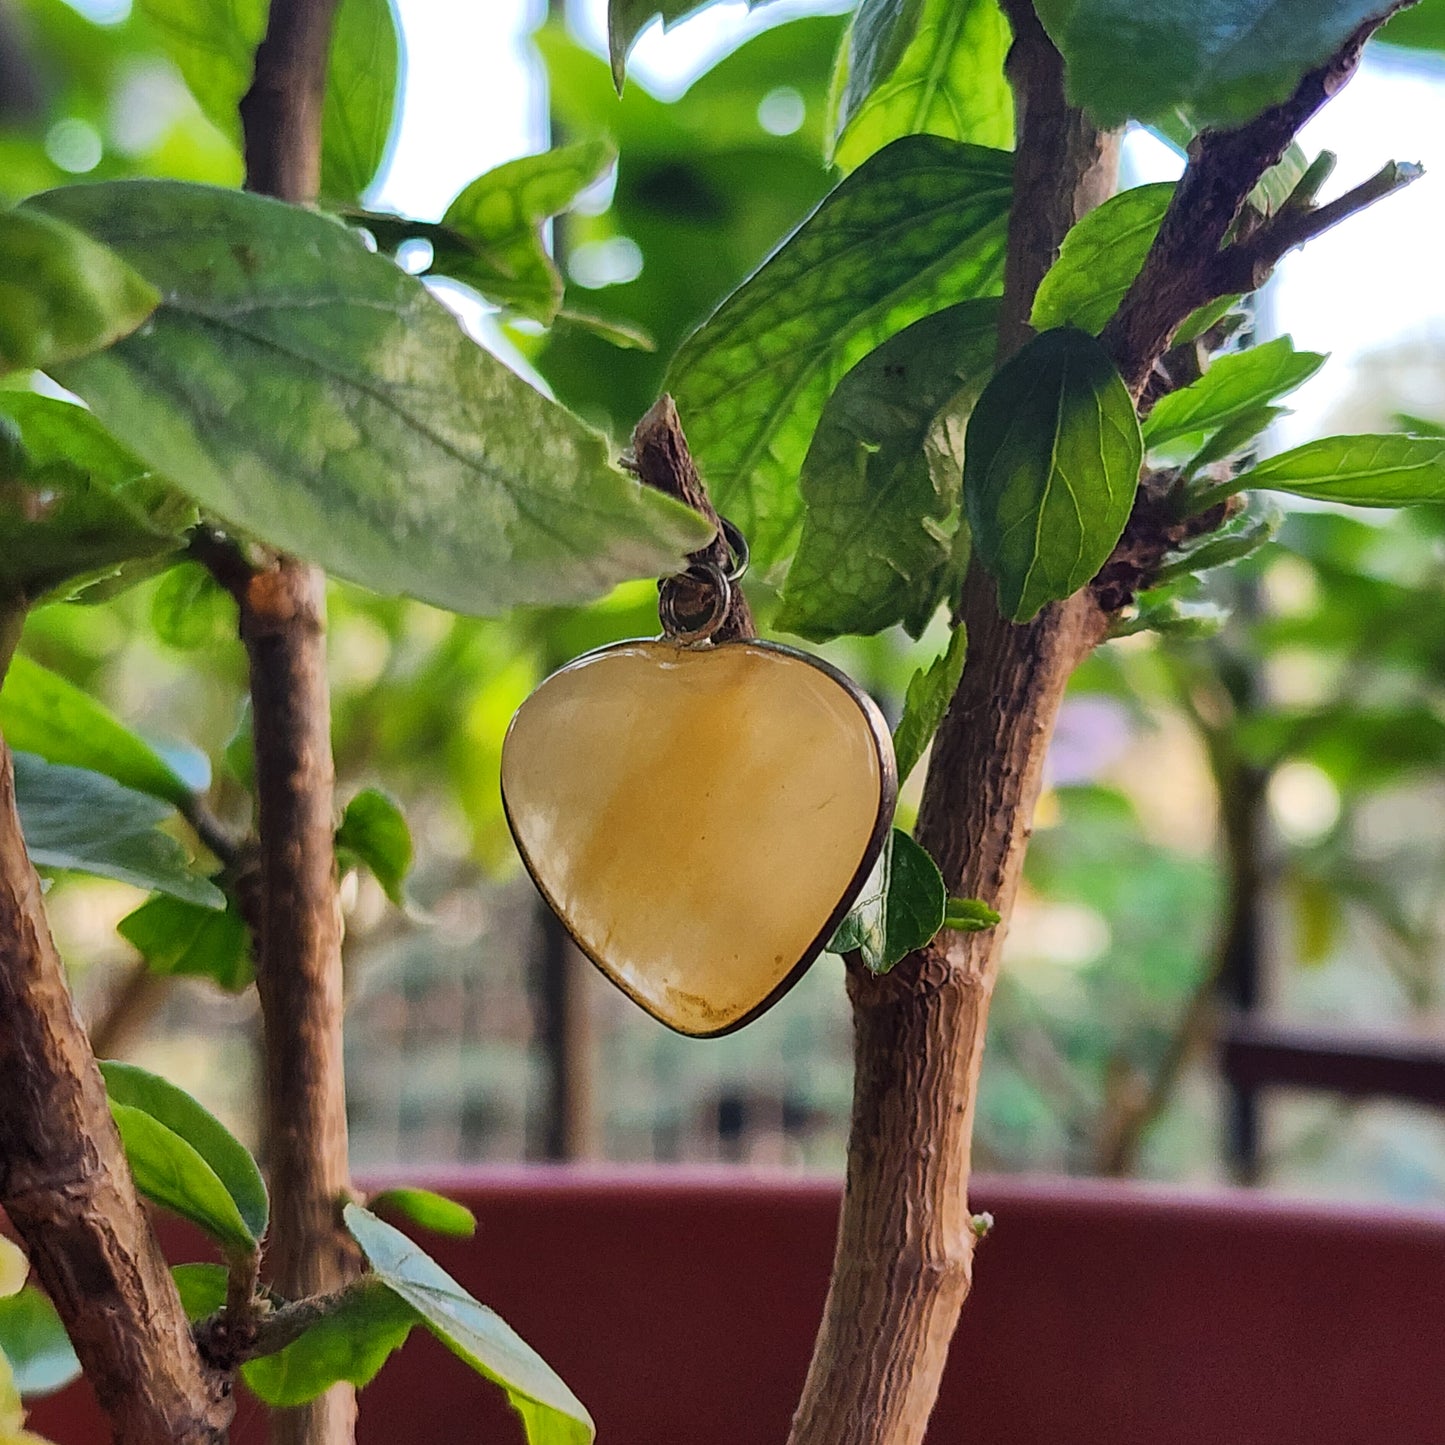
column 737, row 550
column 703, row 579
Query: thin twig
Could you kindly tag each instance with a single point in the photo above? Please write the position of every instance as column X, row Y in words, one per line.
column 283, row 625
column 268, row 1328
column 1183, row 270
column 1247, row 264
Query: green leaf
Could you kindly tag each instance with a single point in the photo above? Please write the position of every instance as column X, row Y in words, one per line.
column 1236, row 385
column 34, row 1341
column 919, row 226
column 626, row 20
column 360, row 105
column 171, row 1173
column 1099, row 259
column 882, row 480
column 1234, row 436
column 190, row 609
column 970, row 915
column 61, row 294
column 182, row 940
column 1420, row 27
column 913, row 67
column 78, row 821
column 1223, row 62
column 202, row 1288
column 431, row 1211
column 1364, row 471
column 1050, row 469
column 42, row 713
column 930, row 690
column 213, row 44
column 73, row 502
column 225, row 1160
column 348, row 1345
column 1278, row 183
column 491, row 235
column 551, row 1413
column 901, row 908
column 1240, row 537
column 373, row 829
column 311, row 393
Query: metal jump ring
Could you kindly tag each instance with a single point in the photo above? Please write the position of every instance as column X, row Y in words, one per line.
column 719, row 593
column 737, row 550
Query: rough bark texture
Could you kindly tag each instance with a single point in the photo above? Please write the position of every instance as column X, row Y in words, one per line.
column 283, row 625
column 905, row 1242
column 298, row 976
column 66, row 1187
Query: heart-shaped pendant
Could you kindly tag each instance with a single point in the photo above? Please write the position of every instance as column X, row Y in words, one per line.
column 699, row 818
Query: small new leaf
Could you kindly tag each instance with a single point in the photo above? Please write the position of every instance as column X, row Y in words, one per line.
column 373, row 831
column 1363, row 471
column 181, row 1155
column 882, row 480
column 191, row 610
column 62, row 294
column 428, row 1210
column 970, row 915
column 83, row 822
column 491, row 235
column 1240, row 537
column 1238, row 385
column 901, row 908
column 550, row 1412
column 930, row 690
column 1099, row 259
column 1051, row 465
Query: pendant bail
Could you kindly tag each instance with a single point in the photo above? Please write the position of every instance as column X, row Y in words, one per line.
column 692, row 605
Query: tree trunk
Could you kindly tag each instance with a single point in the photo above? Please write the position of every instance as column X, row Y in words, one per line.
column 904, row 1258
column 283, row 625
column 65, row 1184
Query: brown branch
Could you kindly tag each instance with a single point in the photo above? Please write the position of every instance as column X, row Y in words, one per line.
column 265, row 1329
column 904, row 1258
column 283, row 626
column 66, row 1187
column 1186, row 268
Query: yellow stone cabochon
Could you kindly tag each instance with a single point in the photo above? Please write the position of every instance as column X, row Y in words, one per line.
column 695, row 815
